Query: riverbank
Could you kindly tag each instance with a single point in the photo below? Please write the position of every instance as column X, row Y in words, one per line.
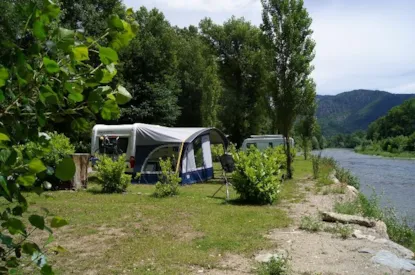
column 400, row 155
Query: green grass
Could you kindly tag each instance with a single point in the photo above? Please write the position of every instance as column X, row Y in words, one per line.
column 403, row 155
column 136, row 233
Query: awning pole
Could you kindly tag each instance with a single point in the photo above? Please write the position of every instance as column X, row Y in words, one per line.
column 179, row 158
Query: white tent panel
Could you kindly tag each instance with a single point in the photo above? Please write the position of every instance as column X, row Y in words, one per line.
column 207, row 155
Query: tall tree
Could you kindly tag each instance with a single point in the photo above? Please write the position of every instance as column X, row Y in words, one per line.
column 199, row 80
column 305, row 128
column 150, row 71
column 286, row 26
column 241, row 61
column 89, row 15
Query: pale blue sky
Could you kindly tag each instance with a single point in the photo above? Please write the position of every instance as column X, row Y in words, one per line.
column 368, row 44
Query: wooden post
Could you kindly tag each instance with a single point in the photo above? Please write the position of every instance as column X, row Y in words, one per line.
column 80, row 179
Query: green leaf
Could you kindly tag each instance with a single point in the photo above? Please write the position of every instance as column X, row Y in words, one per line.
column 80, row 125
column 36, row 166
column 3, row 185
column 80, row 53
column 37, row 221
column 26, row 180
column 17, row 211
column 58, row 249
column 110, row 110
column 2, row 98
column 46, row 270
column 122, row 95
column 48, row 96
column 115, row 22
column 3, row 135
column 107, row 55
column 4, row 76
column 14, row 226
column 57, row 222
column 30, row 248
column 12, row 262
column 51, row 65
column 73, row 87
column 95, row 101
column 52, row 10
column 108, row 74
column 130, row 12
column 39, row 30
column 50, row 239
column 66, row 169
column 66, row 38
column 6, row 240
column 76, row 97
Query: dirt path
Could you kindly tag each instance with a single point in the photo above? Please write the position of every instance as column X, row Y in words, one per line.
column 318, row 253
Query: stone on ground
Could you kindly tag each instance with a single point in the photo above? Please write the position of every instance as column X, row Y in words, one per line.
column 389, row 259
column 348, row 219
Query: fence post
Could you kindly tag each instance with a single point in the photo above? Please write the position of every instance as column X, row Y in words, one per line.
column 80, row 179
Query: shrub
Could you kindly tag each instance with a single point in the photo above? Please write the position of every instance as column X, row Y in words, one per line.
column 168, row 184
column 345, row 176
column 111, row 174
column 343, row 231
column 276, row 266
column 217, row 152
column 316, row 165
column 348, row 207
column 257, row 176
column 310, row 224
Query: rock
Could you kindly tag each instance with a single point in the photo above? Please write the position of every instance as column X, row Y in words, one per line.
column 381, row 229
column 389, row 259
column 408, row 254
column 359, row 235
column 332, row 177
column 367, row 251
column 342, row 218
column 266, row 257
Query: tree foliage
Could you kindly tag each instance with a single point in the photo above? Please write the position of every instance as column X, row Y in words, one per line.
column 286, row 25
column 242, row 68
column 48, row 77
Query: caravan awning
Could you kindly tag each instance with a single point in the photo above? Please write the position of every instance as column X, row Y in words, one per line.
column 147, row 134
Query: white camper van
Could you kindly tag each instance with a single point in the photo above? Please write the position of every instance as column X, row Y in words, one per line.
column 262, row 142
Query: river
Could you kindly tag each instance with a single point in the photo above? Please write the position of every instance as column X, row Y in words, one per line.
column 394, row 179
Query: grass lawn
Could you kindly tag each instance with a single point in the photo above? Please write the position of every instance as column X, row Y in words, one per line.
column 136, row 233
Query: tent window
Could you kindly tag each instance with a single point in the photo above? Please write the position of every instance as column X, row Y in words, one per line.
column 197, row 147
column 164, row 152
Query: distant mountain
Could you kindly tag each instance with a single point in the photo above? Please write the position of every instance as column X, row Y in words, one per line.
column 355, row 110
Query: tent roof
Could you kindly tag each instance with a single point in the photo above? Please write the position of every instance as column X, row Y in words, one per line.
column 154, row 134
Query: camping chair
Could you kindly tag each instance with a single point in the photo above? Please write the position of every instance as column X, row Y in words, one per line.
column 228, row 166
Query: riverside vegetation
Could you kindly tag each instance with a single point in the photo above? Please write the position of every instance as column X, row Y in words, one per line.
column 398, row 228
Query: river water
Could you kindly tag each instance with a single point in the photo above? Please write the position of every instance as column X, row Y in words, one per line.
column 394, row 179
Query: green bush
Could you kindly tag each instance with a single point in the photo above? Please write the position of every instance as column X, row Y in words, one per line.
column 316, row 160
column 217, row 152
column 276, row 266
column 111, row 174
column 345, row 176
column 168, row 184
column 257, row 176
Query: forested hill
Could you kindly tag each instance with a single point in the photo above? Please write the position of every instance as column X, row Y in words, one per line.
column 355, row 110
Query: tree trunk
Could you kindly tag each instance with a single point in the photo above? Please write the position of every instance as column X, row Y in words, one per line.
column 289, row 158
column 305, row 148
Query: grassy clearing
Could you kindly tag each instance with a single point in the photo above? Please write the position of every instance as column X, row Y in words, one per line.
column 139, row 234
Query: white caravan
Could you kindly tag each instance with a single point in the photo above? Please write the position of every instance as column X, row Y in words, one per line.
column 262, row 142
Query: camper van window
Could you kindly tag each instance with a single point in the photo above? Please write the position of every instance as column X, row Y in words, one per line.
column 197, row 147
column 122, row 145
column 248, row 145
column 270, row 145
